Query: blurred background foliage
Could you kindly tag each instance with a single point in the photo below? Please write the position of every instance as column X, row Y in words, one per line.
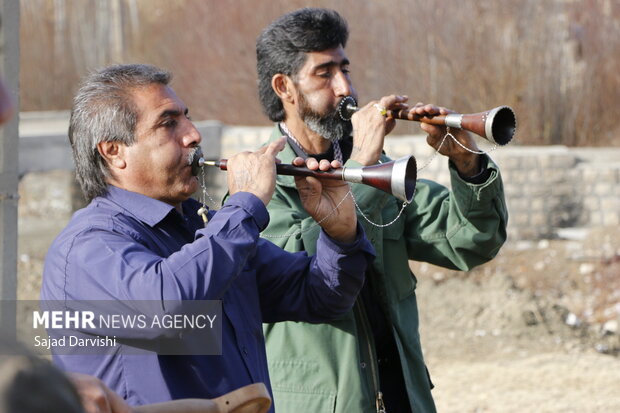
column 556, row 62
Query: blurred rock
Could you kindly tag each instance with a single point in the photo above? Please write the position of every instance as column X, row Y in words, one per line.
column 530, row 318
column 572, row 320
column 574, row 234
column 610, row 327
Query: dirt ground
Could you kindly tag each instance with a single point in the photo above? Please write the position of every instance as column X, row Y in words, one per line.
column 535, row 330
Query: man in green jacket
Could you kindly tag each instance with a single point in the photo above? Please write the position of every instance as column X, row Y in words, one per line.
column 371, row 359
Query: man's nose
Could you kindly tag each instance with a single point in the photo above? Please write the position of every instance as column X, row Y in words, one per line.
column 342, row 86
column 192, row 136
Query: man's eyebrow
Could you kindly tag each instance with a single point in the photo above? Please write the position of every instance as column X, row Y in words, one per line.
column 344, row 62
column 172, row 113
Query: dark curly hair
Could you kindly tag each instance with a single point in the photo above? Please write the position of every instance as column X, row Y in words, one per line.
column 282, row 48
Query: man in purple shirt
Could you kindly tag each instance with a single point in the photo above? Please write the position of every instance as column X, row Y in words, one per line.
column 140, row 238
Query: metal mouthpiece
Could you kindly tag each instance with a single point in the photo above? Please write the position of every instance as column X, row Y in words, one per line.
column 197, row 161
column 347, row 107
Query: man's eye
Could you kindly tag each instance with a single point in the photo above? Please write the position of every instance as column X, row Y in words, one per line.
column 346, row 71
column 325, row 75
column 169, row 123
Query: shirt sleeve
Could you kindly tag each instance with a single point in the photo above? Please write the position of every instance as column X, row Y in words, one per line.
column 482, row 176
column 457, row 229
column 294, row 287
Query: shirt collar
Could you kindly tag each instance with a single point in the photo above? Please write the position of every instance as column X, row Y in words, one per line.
column 146, row 209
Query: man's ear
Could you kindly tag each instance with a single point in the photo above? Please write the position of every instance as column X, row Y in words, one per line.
column 284, row 87
column 113, row 153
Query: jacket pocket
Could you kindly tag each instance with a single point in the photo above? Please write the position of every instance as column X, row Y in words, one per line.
column 395, row 256
column 288, row 401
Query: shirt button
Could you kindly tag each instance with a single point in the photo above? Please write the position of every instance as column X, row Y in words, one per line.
column 363, row 365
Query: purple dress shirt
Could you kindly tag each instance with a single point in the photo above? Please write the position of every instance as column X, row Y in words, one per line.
column 126, row 246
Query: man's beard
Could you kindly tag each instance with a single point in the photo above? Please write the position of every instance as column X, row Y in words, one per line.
column 329, row 126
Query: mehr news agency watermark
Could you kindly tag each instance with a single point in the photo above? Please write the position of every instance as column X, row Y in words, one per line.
column 95, row 327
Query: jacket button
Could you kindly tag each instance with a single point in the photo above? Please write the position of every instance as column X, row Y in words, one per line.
column 363, row 365
column 244, row 349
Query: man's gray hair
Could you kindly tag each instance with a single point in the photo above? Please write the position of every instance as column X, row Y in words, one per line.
column 104, row 111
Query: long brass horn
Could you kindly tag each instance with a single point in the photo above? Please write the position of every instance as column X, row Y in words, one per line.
column 397, row 177
column 497, row 125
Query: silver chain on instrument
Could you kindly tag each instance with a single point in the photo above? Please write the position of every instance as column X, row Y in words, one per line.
column 402, row 208
column 203, row 210
column 428, row 162
column 443, row 140
column 204, row 194
column 302, row 231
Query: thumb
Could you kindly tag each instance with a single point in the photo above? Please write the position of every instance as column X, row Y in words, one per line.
column 275, row 147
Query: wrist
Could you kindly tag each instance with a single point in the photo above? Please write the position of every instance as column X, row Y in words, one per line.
column 364, row 155
column 344, row 237
column 364, row 159
column 467, row 166
column 342, row 229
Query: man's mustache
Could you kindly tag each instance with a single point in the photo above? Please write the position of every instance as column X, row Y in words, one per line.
column 195, row 152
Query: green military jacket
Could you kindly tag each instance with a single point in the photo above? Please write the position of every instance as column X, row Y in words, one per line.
column 332, row 367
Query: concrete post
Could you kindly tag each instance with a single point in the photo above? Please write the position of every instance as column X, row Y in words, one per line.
column 9, row 139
